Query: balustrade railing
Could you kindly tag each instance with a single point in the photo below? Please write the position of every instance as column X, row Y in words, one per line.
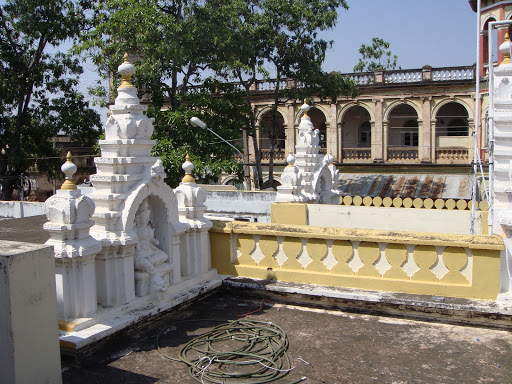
column 359, row 155
column 408, row 262
column 365, row 78
column 279, row 154
column 452, row 155
column 453, row 73
column 403, row 76
column 405, row 154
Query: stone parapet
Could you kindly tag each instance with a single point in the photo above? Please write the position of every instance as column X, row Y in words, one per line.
column 462, row 266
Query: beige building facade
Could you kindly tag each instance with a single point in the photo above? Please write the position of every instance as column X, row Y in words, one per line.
column 416, row 120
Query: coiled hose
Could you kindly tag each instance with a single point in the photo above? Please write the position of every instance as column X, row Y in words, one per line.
column 239, row 351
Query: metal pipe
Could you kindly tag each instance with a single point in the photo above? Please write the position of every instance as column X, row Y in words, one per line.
column 477, row 119
column 196, row 122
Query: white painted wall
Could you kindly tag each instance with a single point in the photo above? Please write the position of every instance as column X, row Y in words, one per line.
column 397, row 219
column 17, row 209
column 249, row 205
column 29, row 337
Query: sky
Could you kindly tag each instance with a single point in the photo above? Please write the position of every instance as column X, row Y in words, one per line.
column 434, row 32
column 438, row 33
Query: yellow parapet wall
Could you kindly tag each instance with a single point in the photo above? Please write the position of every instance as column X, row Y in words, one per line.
column 411, row 262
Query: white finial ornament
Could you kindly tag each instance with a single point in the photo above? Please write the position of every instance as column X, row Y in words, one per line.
column 290, row 159
column 69, row 169
column 305, row 108
column 505, row 50
column 126, row 70
column 126, row 92
column 187, row 167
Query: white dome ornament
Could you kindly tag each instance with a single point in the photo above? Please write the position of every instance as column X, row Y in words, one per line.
column 126, row 92
column 290, row 159
column 505, row 48
column 187, row 167
column 305, row 108
column 69, row 169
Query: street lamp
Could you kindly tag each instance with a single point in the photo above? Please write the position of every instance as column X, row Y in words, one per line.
column 196, row 122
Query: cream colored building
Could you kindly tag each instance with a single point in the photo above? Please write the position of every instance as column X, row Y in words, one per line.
column 416, row 121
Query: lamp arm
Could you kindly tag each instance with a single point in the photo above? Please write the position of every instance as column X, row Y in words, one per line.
column 225, row 141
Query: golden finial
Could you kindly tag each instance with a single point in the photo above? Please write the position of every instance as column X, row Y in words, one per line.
column 505, row 49
column 126, row 69
column 187, row 167
column 305, row 108
column 68, row 168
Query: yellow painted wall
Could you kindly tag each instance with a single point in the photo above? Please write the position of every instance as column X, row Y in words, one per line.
column 411, row 262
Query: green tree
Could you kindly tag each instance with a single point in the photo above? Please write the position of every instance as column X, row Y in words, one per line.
column 172, row 45
column 280, row 39
column 376, row 55
column 38, row 86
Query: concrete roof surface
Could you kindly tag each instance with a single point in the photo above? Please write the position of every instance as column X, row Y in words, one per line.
column 27, row 229
column 326, row 346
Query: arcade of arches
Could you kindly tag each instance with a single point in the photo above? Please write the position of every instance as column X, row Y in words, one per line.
column 415, row 130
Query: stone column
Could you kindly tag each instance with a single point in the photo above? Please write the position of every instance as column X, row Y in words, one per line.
column 290, row 128
column 332, row 132
column 69, row 214
column 378, row 134
column 502, row 223
column 426, row 138
column 29, row 337
column 191, row 197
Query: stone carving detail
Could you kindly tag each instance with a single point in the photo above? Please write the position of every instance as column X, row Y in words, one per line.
column 147, row 255
column 310, row 177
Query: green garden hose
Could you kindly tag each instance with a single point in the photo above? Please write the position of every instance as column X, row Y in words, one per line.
column 238, row 351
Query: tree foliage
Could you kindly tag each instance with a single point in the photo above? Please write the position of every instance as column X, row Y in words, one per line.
column 178, row 44
column 376, row 55
column 172, row 44
column 38, row 86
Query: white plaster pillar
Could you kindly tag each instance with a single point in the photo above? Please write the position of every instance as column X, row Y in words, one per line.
column 195, row 259
column 425, row 133
column 69, row 214
column 502, row 225
column 29, row 336
column 290, row 128
column 378, row 134
column 332, row 132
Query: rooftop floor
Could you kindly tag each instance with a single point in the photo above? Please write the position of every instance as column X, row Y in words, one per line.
column 325, row 346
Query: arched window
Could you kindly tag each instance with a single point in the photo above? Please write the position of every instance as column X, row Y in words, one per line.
column 318, row 120
column 485, row 42
column 265, row 129
column 452, row 120
column 403, row 134
column 403, row 127
column 356, row 131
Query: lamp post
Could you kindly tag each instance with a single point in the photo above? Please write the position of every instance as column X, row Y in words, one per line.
column 196, row 122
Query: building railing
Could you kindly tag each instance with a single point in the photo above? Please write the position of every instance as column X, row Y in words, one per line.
column 452, row 155
column 453, row 73
column 402, row 154
column 279, row 154
column 463, row 266
column 401, row 76
column 359, row 155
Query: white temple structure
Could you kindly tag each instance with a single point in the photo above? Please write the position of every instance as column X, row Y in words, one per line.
column 148, row 249
column 502, row 129
column 309, row 177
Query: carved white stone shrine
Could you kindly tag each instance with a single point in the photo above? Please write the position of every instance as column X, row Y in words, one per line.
column 69, row 214
column 502, row 111
column 309, row 177
column 149, row 250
